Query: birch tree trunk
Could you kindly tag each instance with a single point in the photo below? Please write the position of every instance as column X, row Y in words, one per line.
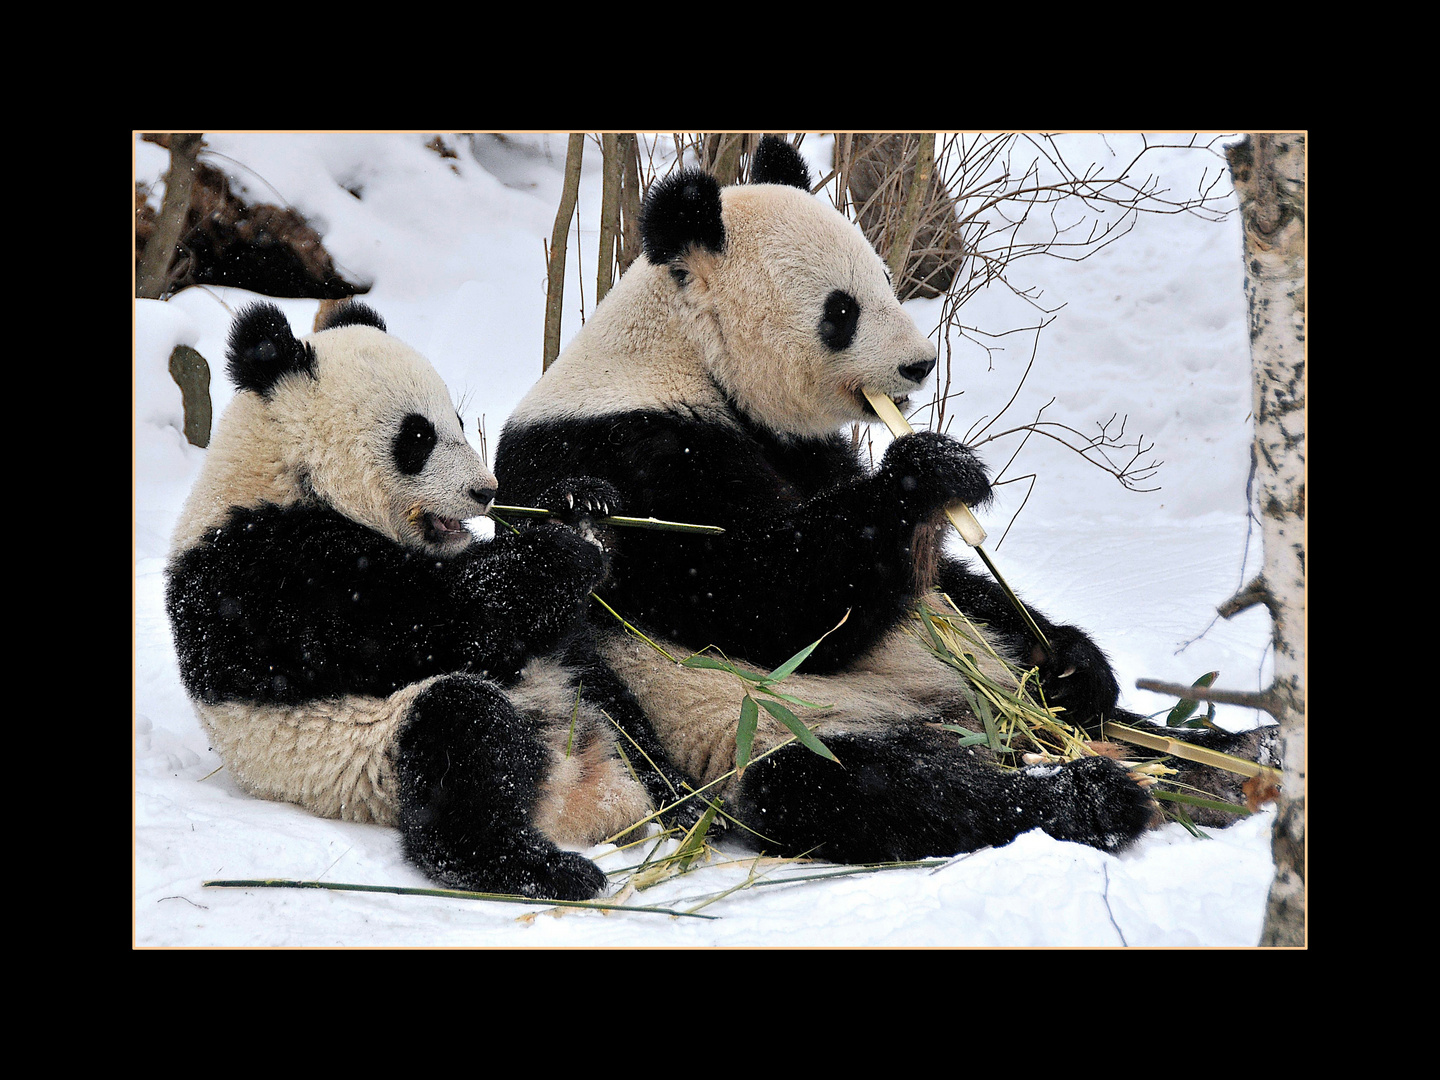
column 1269, row 173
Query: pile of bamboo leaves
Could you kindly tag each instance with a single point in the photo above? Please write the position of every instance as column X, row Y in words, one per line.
column 1008, row 703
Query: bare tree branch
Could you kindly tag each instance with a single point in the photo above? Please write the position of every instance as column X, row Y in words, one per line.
column 1250, row 699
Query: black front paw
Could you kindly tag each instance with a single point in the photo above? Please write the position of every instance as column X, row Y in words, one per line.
column 574, row 560
column 931, row 471
column 1075, row 675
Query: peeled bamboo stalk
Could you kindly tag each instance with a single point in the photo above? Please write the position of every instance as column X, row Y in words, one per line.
column 959, row 514
column 1188, row 751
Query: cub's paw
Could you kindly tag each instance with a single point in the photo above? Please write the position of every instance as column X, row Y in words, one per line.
column 579, row 503
column 932, row 470
column 581, row 497
column 1075, row 675
column 575, row 561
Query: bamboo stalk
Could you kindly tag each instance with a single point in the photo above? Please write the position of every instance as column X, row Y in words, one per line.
column 1188, row 751
column 457, row 894
column 612, row 519
column 959, row 514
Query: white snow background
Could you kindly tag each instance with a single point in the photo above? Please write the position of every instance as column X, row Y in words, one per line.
column 1153, row 328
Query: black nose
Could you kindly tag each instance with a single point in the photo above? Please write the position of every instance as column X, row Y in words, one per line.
column 483, row 496
column 917, row 371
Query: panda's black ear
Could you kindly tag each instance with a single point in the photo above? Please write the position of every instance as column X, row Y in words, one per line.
column 776, row 161
column 263, row 349
column 680, row 210
column 352, row 313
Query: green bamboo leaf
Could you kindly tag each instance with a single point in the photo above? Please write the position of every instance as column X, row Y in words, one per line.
column 694, row 843
column 800, row 731
column 764, row 688
column 799, row 658
column 1185, row 707
column 980, row 706
column 936, row 642
column 1192, row 800
column 789, row 666
column 967, row 737
column 709, row 662
column 745, row 733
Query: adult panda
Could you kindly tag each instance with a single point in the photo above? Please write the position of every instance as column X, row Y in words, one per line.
column 350, row 647
column 711, row 386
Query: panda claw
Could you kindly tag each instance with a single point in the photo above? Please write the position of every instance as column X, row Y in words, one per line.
column 1066, row 673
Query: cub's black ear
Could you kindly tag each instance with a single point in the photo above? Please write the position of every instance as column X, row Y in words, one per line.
column 776, row 161
column 352, row 313
column 263, row 349
column 682, row 209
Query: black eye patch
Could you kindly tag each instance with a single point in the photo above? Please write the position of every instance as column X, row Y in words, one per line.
column 413, row 444
column 837, row 324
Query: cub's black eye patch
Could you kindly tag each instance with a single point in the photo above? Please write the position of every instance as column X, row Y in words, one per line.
column 413, row 444
column 837, row 324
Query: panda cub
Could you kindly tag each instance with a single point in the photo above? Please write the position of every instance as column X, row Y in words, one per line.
column 348, row 644
column 711, row 385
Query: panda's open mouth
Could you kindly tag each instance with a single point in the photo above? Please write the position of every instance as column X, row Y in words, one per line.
column 441, row 530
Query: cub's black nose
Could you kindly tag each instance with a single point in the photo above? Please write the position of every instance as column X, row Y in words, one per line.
column 483, row 496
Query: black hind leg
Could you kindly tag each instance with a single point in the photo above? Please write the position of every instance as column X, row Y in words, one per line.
column 468, row 769
column 911, row 793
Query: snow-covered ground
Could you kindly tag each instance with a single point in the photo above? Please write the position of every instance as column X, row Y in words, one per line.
column 1153, row 329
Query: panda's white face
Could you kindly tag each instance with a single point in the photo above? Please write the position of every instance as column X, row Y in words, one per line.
column 375, row 436
column 805, row 314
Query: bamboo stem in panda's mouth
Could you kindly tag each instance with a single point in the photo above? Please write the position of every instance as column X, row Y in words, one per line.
column 959, row 514
column 610, row 519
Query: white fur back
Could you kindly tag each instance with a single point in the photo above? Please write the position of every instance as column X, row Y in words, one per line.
column 639, row 351
column 247, row 463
